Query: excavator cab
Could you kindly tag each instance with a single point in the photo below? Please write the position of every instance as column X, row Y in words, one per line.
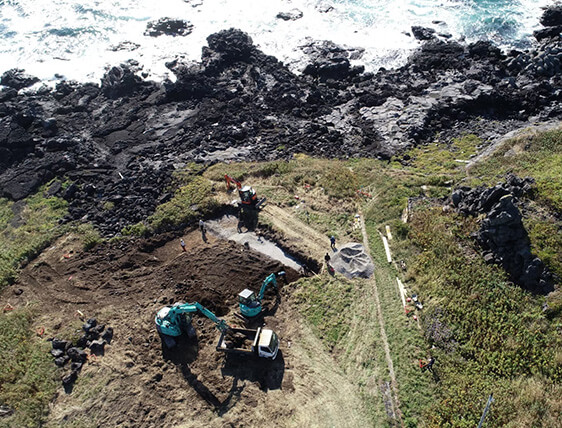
column 250, row 303
column 248, row 195
column 250, row 306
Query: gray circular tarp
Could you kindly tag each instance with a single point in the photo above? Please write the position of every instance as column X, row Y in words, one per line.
column 352, row 261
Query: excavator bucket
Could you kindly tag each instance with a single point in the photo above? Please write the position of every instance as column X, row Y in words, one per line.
column 261, row 203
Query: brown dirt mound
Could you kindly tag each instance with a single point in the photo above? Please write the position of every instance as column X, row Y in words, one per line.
column 123, row 284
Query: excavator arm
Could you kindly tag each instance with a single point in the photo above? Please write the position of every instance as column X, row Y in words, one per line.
column 269, row 281
column 229, row 180
column 169, row 318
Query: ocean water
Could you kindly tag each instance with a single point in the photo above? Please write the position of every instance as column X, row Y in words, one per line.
column 78, row 40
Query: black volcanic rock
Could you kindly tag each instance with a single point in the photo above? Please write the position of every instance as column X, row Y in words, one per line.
column 17, row 79
column 118, row 144
column 502, row 236
column 120, row 80
column 552, row 16
column 548, row 33
column 168, row 27
column 439, row 55
column 331, row 61
column 291, row 15
column 228, row 47
column 423, row 33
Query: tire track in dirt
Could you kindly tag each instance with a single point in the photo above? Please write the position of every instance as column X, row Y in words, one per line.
column 394, row 408
column 303, row 236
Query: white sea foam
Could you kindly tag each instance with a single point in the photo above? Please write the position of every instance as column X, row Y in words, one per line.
column 73, row 39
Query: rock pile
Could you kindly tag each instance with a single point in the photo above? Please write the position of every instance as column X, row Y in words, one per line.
column 95, row 337
column 502, row 236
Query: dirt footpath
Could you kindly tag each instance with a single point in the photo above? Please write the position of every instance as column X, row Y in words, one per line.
column 138, row 384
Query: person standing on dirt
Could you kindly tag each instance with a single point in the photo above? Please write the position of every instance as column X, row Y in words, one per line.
column 327, row 258
column 333, row 243
column 182, row 243
column 203, row 229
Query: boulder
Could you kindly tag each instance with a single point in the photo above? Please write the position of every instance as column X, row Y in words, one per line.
column 17, row 79
column 77, row 355
column 168, row 27
column 548, row 33
column 108, row 335
column 231, row 45
column 7, row 94
column 552, row 16
column 62, row 360
column 49, row 127
column 97, row 347
column 439, row 55
column 291, row 15
column 121, row 80
column 54, row 189
column 18, row 186
column 57, row 353
column 69, row 379
column 88, row 325
column 423, row 33
column 331, row 61
column 60, row 344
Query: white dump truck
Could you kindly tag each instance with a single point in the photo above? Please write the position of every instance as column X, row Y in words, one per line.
column 262, row 342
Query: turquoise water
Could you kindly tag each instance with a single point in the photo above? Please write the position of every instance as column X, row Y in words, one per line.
column 79, row 39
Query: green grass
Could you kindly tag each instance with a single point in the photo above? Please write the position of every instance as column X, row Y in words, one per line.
column 326, row 303
column 24, row 239
column 538, row 156
column 489, row 334
column 89, row 235
column 439, row 159
column 340, row 313
column 191, row 201
column 406, row 343
column 27, row 372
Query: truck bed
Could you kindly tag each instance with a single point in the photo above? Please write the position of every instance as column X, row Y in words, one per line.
column 238, row 340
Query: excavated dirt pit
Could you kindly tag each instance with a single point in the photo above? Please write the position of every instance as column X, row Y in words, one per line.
column 137, row 382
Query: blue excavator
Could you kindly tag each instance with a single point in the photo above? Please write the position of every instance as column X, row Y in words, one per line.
column 173, row 321
column 250, row 304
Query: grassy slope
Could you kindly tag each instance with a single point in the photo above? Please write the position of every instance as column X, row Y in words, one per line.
column 24, row 237
column 27, row 372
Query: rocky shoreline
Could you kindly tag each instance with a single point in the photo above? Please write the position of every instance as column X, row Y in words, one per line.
column 120, row 141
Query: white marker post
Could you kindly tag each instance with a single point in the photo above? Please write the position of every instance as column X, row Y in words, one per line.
column 387, row 249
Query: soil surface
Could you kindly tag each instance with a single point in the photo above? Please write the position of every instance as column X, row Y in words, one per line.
column 124, row 284
column 138, row 382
